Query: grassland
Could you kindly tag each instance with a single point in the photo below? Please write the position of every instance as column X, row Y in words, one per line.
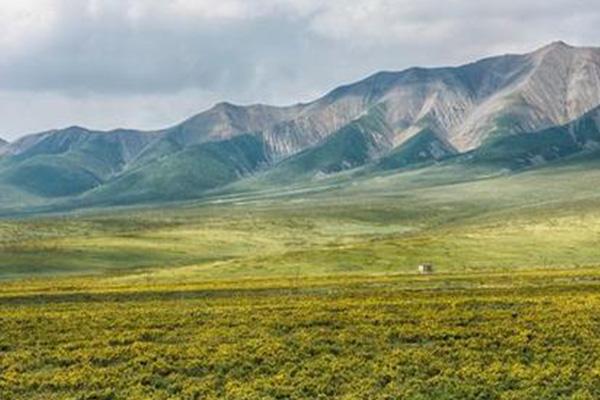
column 310, row 292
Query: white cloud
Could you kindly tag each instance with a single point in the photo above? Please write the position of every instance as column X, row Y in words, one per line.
column 24, row 22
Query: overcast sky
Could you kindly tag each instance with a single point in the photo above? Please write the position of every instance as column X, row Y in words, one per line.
column 151, row 63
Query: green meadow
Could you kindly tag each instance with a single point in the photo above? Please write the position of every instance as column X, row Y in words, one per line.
column 390, row 223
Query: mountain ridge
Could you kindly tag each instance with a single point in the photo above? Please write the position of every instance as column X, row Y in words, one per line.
column 392, row 119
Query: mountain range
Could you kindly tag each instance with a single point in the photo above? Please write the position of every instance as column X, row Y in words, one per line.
column 511, row 111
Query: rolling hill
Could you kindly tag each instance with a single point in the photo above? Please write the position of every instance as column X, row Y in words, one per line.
column 511, row 111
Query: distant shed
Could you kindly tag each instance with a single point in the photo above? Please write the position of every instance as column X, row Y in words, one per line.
column 426, row 269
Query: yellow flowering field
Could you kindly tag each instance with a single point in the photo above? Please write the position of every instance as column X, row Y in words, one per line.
column 525, row 335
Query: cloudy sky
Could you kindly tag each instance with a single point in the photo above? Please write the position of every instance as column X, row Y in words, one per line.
column 150, row 63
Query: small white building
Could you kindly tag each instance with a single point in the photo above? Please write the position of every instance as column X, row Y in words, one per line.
column 426, row 269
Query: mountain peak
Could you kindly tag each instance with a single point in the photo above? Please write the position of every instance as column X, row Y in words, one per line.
column 75, row 128
column 225, row 105
column 557, row 45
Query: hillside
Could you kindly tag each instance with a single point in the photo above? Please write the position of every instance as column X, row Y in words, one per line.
column 460, row 217
column 581, row 136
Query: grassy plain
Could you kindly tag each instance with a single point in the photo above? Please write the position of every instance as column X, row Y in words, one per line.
column 311, row 292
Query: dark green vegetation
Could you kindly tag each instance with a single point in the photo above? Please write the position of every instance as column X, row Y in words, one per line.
column 184, row 174
column 77, row 168
column 424, row 147
column 556, row 143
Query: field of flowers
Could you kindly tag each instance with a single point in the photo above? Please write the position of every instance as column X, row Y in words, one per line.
column 524, row 335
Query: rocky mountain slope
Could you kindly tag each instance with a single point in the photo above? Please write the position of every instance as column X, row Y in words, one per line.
column 390, row 120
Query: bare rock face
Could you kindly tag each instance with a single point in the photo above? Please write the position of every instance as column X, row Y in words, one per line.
column 226, row 120
column 466, row 105
column 561, row 83
column 463, row 105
